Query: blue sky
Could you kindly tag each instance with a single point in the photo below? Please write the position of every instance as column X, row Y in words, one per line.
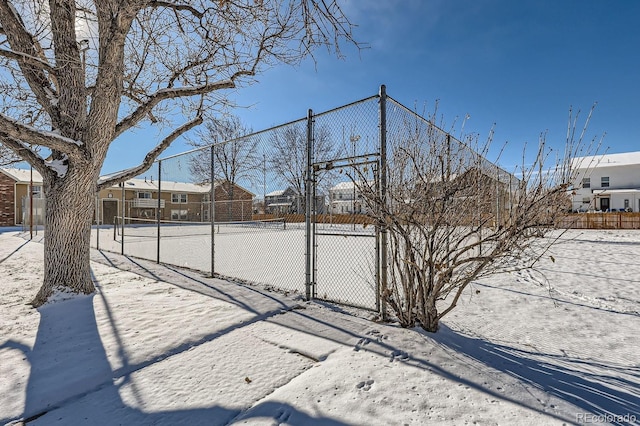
column 518, row 64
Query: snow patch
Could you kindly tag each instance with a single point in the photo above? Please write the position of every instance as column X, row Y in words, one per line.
column 59, row 166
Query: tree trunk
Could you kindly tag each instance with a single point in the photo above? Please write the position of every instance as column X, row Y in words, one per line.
column 429, row 319
column 68, row 217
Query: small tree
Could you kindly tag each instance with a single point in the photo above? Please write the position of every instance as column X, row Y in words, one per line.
column 452, row 217
column 234, row 156
column 288, row 157
column 76, row 75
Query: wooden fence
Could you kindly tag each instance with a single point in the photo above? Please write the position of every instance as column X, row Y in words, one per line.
column 360, row 219
column 617, row 220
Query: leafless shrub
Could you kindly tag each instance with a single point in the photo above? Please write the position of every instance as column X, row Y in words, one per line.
column 452, row 217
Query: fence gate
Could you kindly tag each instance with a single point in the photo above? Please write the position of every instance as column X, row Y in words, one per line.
column 343, row 240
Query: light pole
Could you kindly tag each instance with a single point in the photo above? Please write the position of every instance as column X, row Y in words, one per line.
column 83, row 45
column 354, row 139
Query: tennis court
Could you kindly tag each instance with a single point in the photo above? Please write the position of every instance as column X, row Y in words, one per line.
column 270, row 253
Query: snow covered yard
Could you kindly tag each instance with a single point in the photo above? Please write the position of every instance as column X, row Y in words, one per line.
column 160, row 345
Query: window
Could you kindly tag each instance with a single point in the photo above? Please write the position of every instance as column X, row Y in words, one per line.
column 604, row 181
column 626, row 204
column 178, row 198
column 178, row 215
column 146, row 195
column 586, row 182
column 586, row 200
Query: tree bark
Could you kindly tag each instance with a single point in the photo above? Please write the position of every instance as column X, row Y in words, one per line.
column 430, row 321
column 68, row 217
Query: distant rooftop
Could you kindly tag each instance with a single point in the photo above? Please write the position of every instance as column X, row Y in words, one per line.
column 22, row 175
column 608, row 160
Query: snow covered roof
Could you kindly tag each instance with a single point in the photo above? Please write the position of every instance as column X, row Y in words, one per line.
column 275, row 193
column 22, row 175
column 608, row 160
column 166, row 186
column 346, row 185
column 170, row 186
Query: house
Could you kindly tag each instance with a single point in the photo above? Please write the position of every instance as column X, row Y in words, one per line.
column 288, row 201
column 14, row 197
column 345, row 198
column 283, row 201
column 608, row 182
column 178, row 201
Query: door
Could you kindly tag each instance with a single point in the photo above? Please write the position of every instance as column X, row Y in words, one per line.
column 109, row 211
column 604, row 204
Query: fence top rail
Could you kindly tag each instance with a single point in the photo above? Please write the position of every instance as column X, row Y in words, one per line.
column 239, row 138
column 270, row 129
column 465, row 145
column 361, row 101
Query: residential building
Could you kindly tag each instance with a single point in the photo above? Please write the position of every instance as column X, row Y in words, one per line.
column 283, row 201
column 178, row 200
column 288, row 201
column 14, row 197
column 346, row 198
column 608, row 182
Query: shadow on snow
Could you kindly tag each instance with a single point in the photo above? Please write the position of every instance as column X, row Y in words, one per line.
column 69, row 363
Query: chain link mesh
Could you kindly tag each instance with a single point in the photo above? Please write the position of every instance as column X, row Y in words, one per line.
column 347, row 154
column 237, row 208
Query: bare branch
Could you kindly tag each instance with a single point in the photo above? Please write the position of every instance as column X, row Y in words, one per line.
column 12, row 129
column 22, row 42
column 173, row 93
column 151, row 156
column 26, row 153
column 27, row 59
column 178, row 7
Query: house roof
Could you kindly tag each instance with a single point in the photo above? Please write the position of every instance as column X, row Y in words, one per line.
column 607, row 160
column 22, row 175
column 275, row 193
column 169, row 186
column 166, row 186
column 346, row 185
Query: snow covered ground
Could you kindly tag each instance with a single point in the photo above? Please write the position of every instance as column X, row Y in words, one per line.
column 274, row 257
column 161, row 345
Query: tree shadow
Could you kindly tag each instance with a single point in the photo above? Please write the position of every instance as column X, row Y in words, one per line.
column 601, row 390
column 14, row 252
column 72, row 382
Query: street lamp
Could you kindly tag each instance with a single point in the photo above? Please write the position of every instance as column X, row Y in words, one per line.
column 83, row 45
column 354, row 139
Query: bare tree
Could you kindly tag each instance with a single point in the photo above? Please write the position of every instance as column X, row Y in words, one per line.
column 234, row 155
column 452, row 217
column 90, row 71
column 288, row 158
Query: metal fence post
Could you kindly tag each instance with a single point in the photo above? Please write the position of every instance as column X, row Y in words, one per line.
column 382, row 289
column 212, row 212
column 308, row 201
column 158, row 215
column 97, row 214
column 122, row 223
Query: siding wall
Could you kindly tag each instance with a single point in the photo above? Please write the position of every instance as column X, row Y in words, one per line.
column 7, row 199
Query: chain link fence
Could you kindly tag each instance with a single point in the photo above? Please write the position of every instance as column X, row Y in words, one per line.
column 289, row 207
column 345, row 239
